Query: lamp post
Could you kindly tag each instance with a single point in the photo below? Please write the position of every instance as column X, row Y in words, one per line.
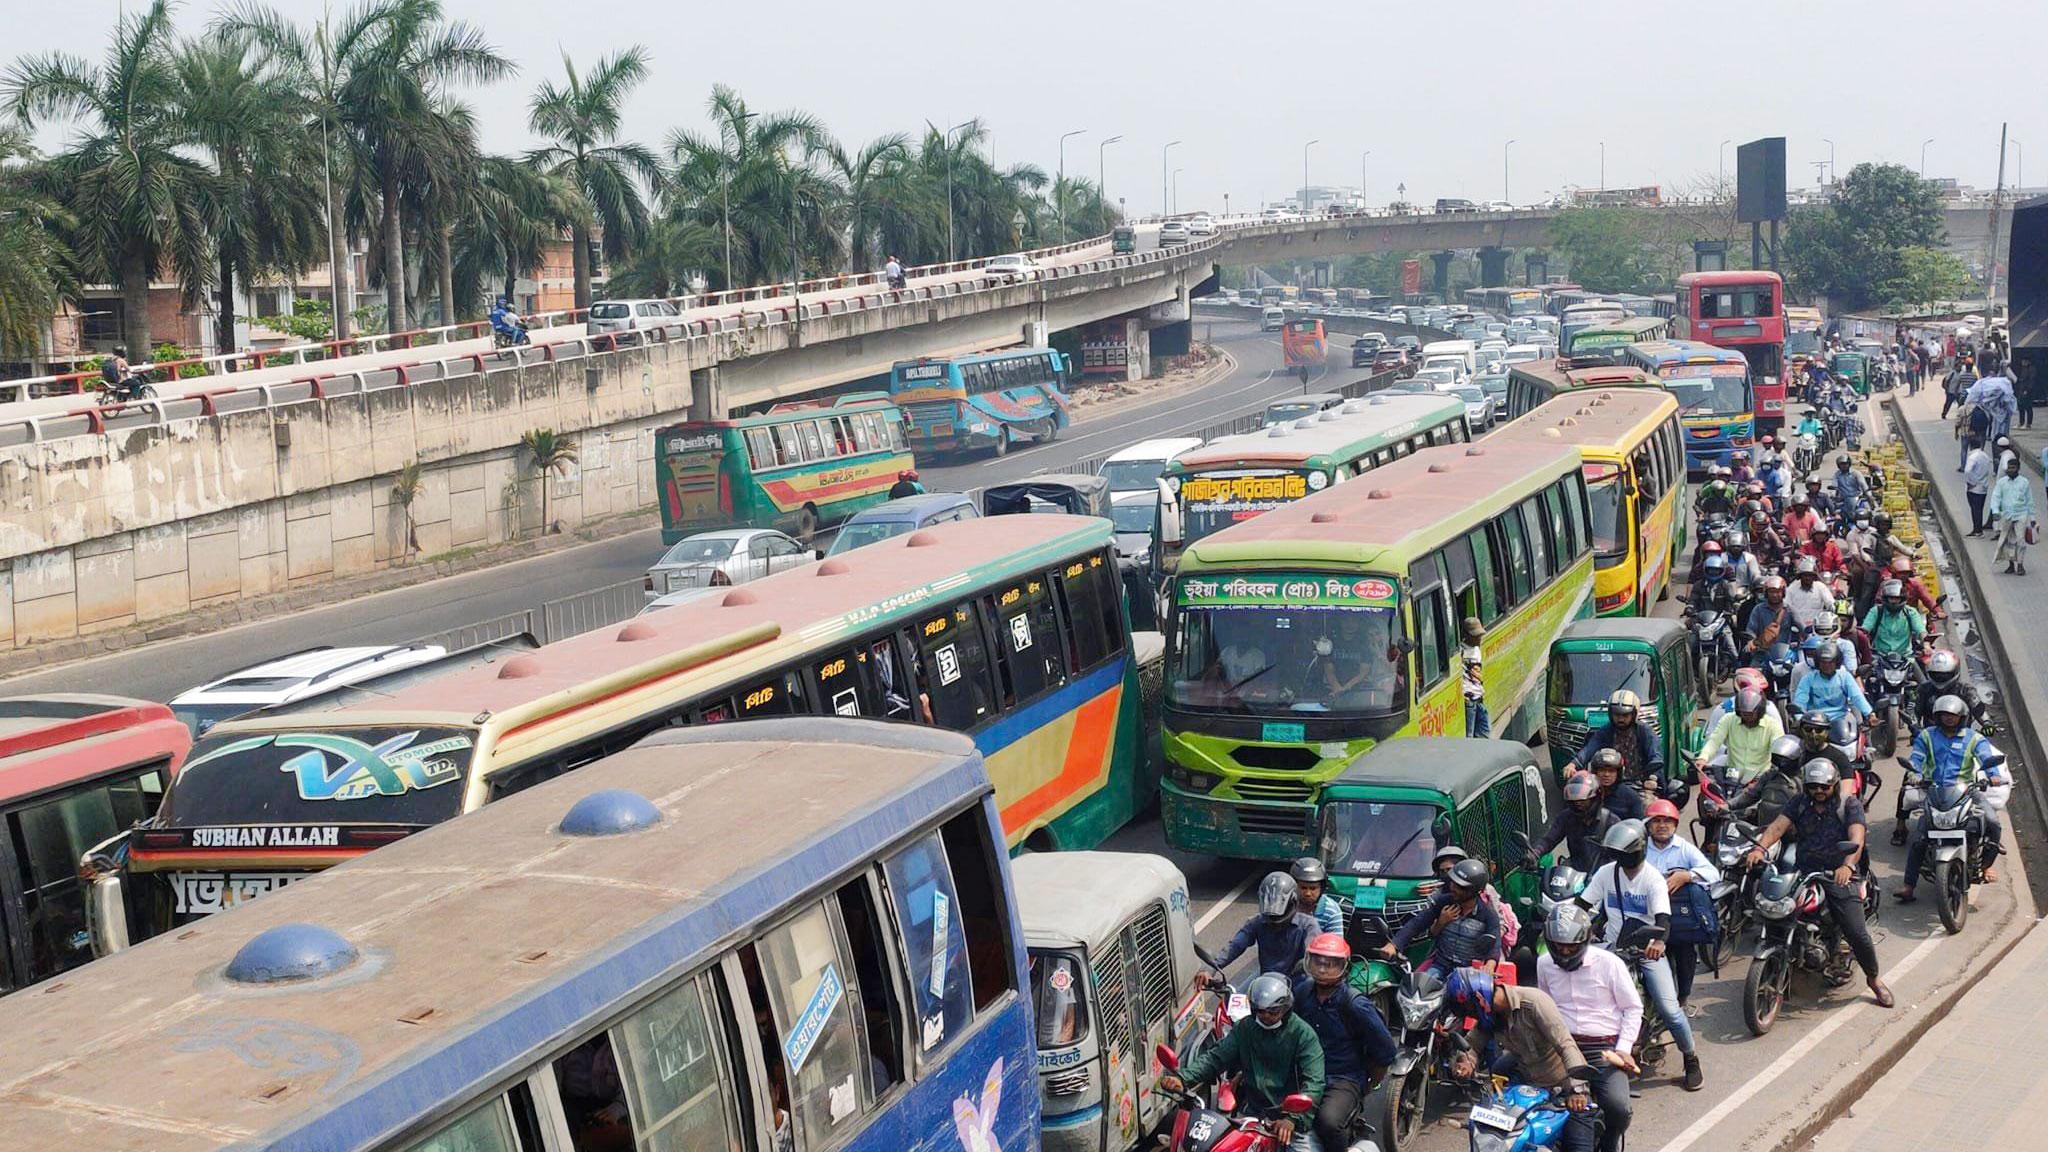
column 1831, row 159
column 1059, row 184
column 1176, row 188
column 1304, row 174
column 1923, row 156
column 1362, row 201
column 1721, row 171
column 1603, row 165
column 2020, row 175
column 1165, row 177
column 947, row 140
column 1102, row 173
column 1504, row 149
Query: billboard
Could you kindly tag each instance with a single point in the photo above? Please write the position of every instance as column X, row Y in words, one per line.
column 1760, row 180
column 1411, row 277
column 2026, row 287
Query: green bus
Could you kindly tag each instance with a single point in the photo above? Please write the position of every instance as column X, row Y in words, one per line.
column 1606, row 345
column 798, row 467
column 1313, row 633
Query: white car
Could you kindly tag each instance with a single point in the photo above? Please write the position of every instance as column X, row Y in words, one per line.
column 1010, row 269
column 1173, row 232
column 1137, row 468
column 1478, row 406
column 629, row 315
column 1522, row 353
column 1278, row 216
column 294, row 677
column 1439, row 379
column 723, row 558
column 1201, row 226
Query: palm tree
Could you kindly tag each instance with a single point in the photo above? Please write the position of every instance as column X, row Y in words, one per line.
column 135, row 195
column 550, row 452
column 668, row 259
column 869, row 182
column 35, row 267
column 581, row 119
column 439, row 190
column 514, row 212
column 747, row 176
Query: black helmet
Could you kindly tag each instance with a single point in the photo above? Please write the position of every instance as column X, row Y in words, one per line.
column 1567, row 931
column 1882, row 521
column 1468, row 877
column 1607, row 758
column 1277, row 896
column 1626, row 843
column 1450, row 852
column 1787, row 754
column 1267, row 992
column 1819, row 773
column 1942, row 667
column 1309, row 870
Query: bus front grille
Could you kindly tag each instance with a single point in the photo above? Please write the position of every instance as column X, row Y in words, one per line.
column 1276, row 791
column 1257, row 821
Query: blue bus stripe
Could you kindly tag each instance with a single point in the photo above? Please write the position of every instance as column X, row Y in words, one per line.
column 1072, row 1119
column 1007, row 730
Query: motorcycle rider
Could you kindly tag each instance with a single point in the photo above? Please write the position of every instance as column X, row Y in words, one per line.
column 907, row 484
column 1641, row 754
column 1743, row 570
column 1597, row 997
column 1461, row 898
column 1766, row 542
column 1280, row 929
column 1579, row 825
column 1714, row 590
column 1850, row 488
column 1531, row 1042
column 893, row 272
column 1769, row 621
column 1945, row 678
column 1822, row 821
column 1821, row 548
column 1895, row 629
column 1311, row 880
column 1951, row 752
column 1746, row 734
column 1279, row 1057
column 1766, row 794
column 1356, row 1044
column 1828, row 630
column 1916, row 590
column 1808, row 598
column 1717, row 496
column 1829, row 689
column 1440, row 865
column 1626, row 890
column 505, row 322
column 1681, row 863
column 1800, row 520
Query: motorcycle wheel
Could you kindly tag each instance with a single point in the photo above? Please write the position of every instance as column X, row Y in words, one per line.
column 1886, row 737
column 1705, row 669
column 1763, row 992
column 145, row 392
column 1952, row 894
column 1409, row 1104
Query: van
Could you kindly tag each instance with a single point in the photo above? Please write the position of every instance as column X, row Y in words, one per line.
column 1464, row 352
column 1272, row 320
column 901, row 517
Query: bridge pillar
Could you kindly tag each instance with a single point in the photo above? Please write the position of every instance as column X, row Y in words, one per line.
column 1117, row 349
column 707, row 398
column 1535, row 268
column 1442, row 282
column 1493, row 267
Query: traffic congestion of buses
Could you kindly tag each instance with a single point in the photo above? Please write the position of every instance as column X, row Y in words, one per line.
column 530, row 896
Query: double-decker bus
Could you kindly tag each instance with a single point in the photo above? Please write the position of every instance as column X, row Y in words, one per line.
column 1303, row 344
column 1231, row 479
column 1715, row 404
column 1744, row 311
column 1628, row 431
column 799, row 467
column 990, row 401
column 1603, row 345
column 1010, row 629
column 1304, row 637
column 796, row 933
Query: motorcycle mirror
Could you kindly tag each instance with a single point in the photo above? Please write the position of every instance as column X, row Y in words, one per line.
column 1442, row 831
column 1202, row 954
column 1298, row 1104
column 1167, row 1059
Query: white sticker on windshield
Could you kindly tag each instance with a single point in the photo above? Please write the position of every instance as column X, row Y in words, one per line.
column 948, row 659
column 841, row 1099
column 942, row 917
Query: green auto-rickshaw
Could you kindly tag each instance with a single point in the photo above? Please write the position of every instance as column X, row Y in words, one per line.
column 1650, row 656
column 1853, row 367
column 1123, row 238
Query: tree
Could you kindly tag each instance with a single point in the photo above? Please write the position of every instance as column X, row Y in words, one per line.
column 581, row 119
column 405, row 489
column 870, row 180
column 1852, row 248
column 1609, row 250
column 1925, row 276
column 514, row 213
column 664, row 263
column 35, row 267
column 135, row 196
column 551, row 452
column 747, row 175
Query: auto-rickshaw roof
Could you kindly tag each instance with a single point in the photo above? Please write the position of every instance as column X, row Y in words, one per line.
column 1068, row 899
column 1457, row 765
column 1064, row 489
column 1656, row 631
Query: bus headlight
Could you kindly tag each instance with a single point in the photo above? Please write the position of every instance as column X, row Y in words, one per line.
column 1201, row 783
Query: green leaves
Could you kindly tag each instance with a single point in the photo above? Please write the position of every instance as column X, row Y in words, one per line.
column 1855, row 249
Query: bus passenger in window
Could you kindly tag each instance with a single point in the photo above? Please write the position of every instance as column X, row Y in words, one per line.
column 594, row 1097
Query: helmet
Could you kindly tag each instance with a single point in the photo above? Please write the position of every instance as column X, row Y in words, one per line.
column 1808, row 566
column 1450, row 852
column 1810, row 644
column 1716, row 565
column 1711, row 548
column 907, row 474
column 1568, row 930
column 1581, row 787
column 1469, row 992
column 1813, row 724
column 1819, row 774
column 1942, row 667
column 1951, row 706
column 1749, row 680
column 503, row 302
column 1882, row 521
column 1661, row 809
column 1623, row 700
column 1626, row 843
column 1826, row 651
column 1277, row 896
column 1787, row 754
column 1892, row 590
column 1841, row 461
column 1329, row 946
column 1309, row 870
column 1823, row 530
column 1267, row 992
column 1902, row 565
column 1737, row 541
column 1607, row 759
column 1768, row 440
column 1826, row 626
column 1468, row 877
column 1749, row 701
column 1774, row 583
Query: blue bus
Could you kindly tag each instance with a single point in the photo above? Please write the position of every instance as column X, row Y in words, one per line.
column 784, row 933
column 1714, row 394
column 989, row 401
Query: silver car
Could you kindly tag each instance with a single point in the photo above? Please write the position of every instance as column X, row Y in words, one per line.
column 1010, row 269
column 629, row 315
column 723, row 558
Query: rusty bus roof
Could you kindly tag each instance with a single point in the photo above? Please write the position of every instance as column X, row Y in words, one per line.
column 1348, row 430
column 482, row 946
column 1592, row 418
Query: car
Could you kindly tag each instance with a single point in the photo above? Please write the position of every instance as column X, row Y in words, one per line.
column 1412, row 343
column 1441, row 378
column 1272, row 319
column 1173, row 232
column 1459, row 368
column 901, row 517
column 722, row 558
column 1010, row 268
column 1365, row 348
column 1295, row 407
column 1278, row 216
column 1138, row 467
column 294, row 677
column 1522, row 353
column 614, row 316
column 1478, row 408
column 1203, row 225
column 1389, row 358
column 1497, row 206
column 1495, row 385
column 1131, row 514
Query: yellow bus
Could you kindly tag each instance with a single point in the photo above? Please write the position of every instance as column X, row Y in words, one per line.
column 1635, row 480
column 1310, row 634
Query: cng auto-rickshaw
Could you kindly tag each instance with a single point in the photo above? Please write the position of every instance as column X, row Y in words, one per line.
column 1853, row 367
column 1074, row 493
column 1650, row 656
column 1114, row 973
column 1123, row 238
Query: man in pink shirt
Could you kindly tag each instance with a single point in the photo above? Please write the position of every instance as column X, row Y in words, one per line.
column 1800, row 520
column 1597, row 997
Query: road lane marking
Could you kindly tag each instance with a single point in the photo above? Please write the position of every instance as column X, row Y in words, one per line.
column 1792, row 1056
column 1229, row 898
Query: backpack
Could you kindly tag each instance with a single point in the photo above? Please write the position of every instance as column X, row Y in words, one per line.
column 110, row 370
column 1980, row 421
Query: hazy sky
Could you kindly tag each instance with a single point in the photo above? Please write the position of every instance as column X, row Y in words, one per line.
column 1432, row 90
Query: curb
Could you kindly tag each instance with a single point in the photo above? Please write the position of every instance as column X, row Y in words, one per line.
column 1224, row 365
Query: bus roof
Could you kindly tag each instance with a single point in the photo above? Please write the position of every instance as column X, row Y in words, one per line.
column 1393, row 508
column 459, row 979
column 1597, row 421
column 53, row 740
column 1347, row 431
column 1729, row 276
column 784, row 414
column 975, row 357
column 811, row 602
column 1662, row 354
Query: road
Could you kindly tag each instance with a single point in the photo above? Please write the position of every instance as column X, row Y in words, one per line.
column 160, row 671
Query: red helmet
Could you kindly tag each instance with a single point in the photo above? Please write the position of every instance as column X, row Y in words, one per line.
column 1330, row 944
column 907, row 474
column 1751, row 679
column 1660, row 809
column 1710, row 547
column 1902, row 565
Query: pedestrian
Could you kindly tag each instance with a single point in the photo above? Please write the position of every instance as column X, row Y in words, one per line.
column 1477, row 725
column 2025, row 389
column 1977, row 483
column 2011, row 508
column 1993, row 392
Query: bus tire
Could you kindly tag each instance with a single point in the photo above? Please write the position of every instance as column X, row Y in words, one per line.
column 807, row 524
column 1002, row 442
column 1052, row 430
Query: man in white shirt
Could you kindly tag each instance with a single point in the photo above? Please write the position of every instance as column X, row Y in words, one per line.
column 1976, row 482
column 1597, row 998
column 1627, row 892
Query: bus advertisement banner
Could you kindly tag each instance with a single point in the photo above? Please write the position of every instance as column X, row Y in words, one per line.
column 1411, row 276
column 1287, row 590
column 1213, row 501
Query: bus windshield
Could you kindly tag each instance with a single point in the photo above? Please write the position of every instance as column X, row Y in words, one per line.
column 398, row 774
column 1802, row 341
column 1133, row 475
column 1610, row 526
column 1592, row 677
column 1722, row 395
column 1289, row 644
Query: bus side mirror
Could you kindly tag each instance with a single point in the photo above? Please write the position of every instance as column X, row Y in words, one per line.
column 106, row 915
column 1443, row 832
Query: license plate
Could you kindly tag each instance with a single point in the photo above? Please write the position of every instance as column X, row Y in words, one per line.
column 204, row 893
column 1372, row 899
column 1493, row 1118
column 942, row 429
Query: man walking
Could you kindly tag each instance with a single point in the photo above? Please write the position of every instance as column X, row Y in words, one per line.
column 1976, row 482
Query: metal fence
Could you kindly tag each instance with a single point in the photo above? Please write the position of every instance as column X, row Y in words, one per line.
column 552, row 621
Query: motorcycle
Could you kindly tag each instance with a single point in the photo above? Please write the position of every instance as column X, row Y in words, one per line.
column 1955, row 818
column 127, row 390
column 1654, row 1036
column 1713, row 642
column 512, row 334
column 1781, row 663
column 1521, row 1118
column 1199, row 1128
column 1562, row 883
column 1890, row 681
column 1735, row 892
column 1796, row 932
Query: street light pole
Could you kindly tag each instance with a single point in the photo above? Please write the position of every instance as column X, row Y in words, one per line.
column 1059, row 184
column 1165, row 177
column 2020, row 175
column 1923, row 156
column 1176, row 188
column 1505, row 198
column 1832, row 177
column 1304, row 174
column 1362, row 201
column 947, row 141
column 1102, row 174
column 1721, row 171
column 1603, row 165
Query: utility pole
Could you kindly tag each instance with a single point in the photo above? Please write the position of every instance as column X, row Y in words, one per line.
column 1304, row 174
column 1102, row 174
column 1059, row 184
column 1991, row 257
column 1165, row 178
column 1504, row 149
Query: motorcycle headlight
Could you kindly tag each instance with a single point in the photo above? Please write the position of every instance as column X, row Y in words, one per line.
column 1774, row 909
column 1417, row 1012
column 1946, row 818
column 1729, row 855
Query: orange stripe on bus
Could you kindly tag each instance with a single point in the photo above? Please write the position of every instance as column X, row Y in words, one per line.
column 1094, row 727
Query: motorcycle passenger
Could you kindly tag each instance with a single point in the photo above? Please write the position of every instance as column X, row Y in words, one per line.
column 1598, row 1000
column 1951, row 752
column 1807, row 597
column 1717, row 496
column 1746, row 734
column 1817, row 499
column 1945, row 678
column 1280, row 929
column 1800, row 520
column 1828, row 630
column 1854, row 641
column 505, row 322
column 1769, row 621
column 907, row 484
column 1356, row 1044
column 1529, row 1041
column 1579, row 825
column 1641, row 754
column 1459, row 901
column 1829, row 689
column 1916, row 590
column 1682, row 864
column 1822, row 821
column 1273, row 1061
column 1895, row 629
column 1311, row 881
column 1626, row 890
column 1767, row 794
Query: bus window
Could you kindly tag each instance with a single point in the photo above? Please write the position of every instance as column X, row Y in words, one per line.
column 955, row 668
column 675, row 1073
column 594, row 1096
column 486, row 1129
column 983, row 913
column 1518, row 555
column 841, row 689
column 1029, row 631
column 926, row 907
column 1463, row 580
column 1432, row 654
column 761, row 448
column 814, row 447
column 1539, row 542
column 49, row 837
column 817, row 1013
column 1560, row 525
column 779, row 695
column 1094, row 612
column 865, row 930
column 1493, row 595
column 789, row 444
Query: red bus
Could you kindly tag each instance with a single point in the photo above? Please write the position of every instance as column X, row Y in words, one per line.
column 75, row 770
column 1743, row 311
column 1303, row 343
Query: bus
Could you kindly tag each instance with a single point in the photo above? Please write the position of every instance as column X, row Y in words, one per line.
column 1804, row 329
column 1715, row 405
column 1307, row 636
column 1303, row 344
column 1603, row 345
column 75, row 770
column 1743, row 311
column 988, row 401
column 1587, row 314
column 1505, row 302
column 1234, row 478
column 1561, row 298
column 798, row 467
column 802, row 927
column 1010, row 629
column 1534, row 383
column 1632, row 443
